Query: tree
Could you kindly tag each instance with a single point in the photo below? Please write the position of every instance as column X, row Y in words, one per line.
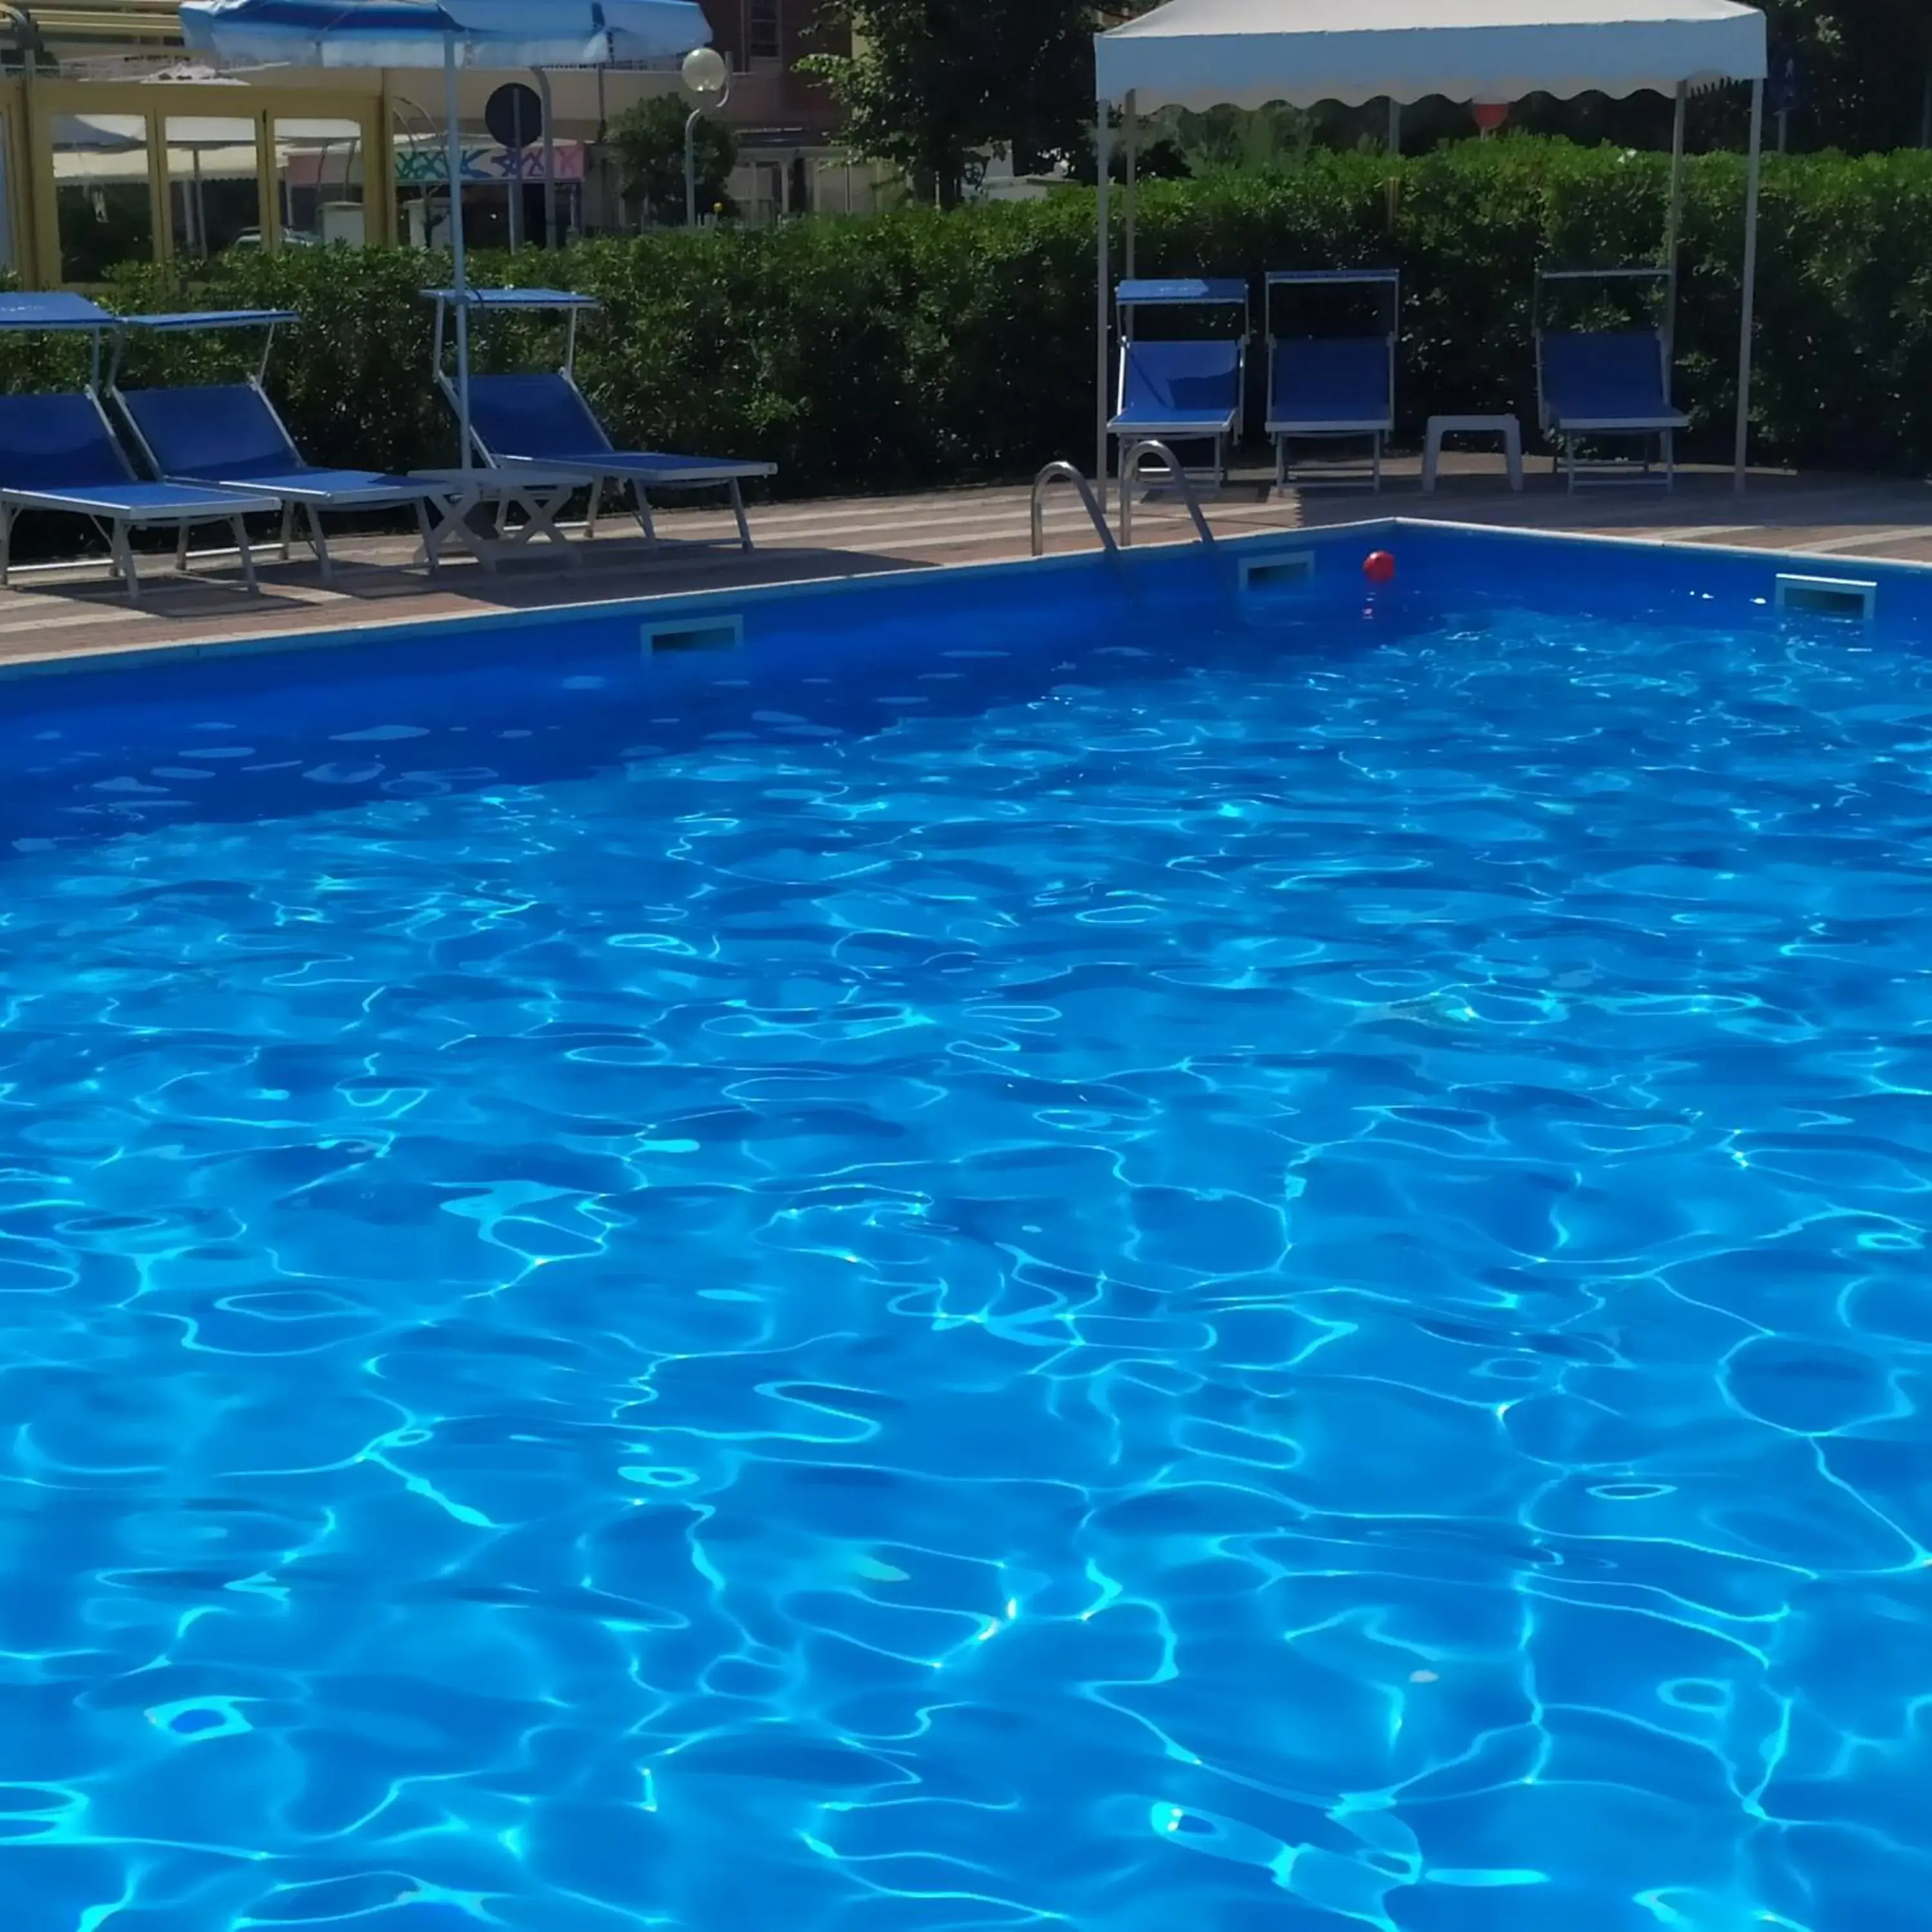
column 648, row 139
column 1869, row 64
column 930, row 84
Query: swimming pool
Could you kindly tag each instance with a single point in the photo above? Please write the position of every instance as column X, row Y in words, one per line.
column 1044, row 1250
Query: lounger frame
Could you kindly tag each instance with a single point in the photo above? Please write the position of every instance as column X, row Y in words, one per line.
column 118, row 522
column 299, row 488
column 117, row 504
column 1378, row 428
column 1565, row 432
column 1131, row 297
column 603, row 467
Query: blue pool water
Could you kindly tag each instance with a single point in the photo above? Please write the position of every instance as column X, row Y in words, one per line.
column 1134, row 1276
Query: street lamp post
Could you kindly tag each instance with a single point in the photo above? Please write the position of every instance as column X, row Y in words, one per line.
column 708, row 81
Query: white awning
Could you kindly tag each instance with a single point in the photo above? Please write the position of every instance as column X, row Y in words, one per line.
column 1248, row 53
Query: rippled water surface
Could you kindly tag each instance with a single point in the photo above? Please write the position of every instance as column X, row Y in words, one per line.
column 1262, row 1281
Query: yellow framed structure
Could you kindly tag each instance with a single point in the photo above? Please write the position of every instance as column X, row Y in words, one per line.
column 78, row 69
column 35, row 107
column 87, row 88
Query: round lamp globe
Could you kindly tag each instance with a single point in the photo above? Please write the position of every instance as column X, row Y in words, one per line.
column 704, row 73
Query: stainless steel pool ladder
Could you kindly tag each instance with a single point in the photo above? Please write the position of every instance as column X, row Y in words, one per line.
column 1135, row 455
column 1130, row 470
column 1065, row 472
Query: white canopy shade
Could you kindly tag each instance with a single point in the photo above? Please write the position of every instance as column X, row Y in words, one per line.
column 1248, row 53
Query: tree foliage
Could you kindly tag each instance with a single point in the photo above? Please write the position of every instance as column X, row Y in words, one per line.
column 1868, row 64
column 648, row 139
column 1864, row 65
column 930, row 83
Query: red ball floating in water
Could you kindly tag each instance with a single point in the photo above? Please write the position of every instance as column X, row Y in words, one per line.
column 1378, row 567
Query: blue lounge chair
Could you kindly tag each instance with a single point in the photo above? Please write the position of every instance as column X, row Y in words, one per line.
column 58, row 452
column 1595, row 384
column 541, row 421
column 230, row 434
column 1334, row 386
column 1186, row 390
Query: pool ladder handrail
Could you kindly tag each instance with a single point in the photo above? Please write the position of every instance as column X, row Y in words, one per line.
column 1130, row 467
column 1065, row 473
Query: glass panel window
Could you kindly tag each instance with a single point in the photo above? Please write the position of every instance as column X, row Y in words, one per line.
column 214, row 194
column 322, row 182
column 761, row 29
column 101, row 193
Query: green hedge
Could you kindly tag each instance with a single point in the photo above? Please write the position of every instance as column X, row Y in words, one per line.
column 919, row 348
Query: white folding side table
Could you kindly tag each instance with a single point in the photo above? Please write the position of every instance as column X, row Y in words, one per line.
column 460, row 513
column 1508, row 428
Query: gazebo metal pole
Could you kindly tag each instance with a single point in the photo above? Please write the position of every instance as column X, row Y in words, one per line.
column 549, row 158
column 1104, row 159
column 1674, row 226
column 1131, row 199
column 453, row 107
column 1394, row 197
column 1745, row 335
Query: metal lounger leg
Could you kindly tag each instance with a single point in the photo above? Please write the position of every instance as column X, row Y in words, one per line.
column 124, row 562
column 429, row 554
column 1377, row 485
column 319, row 542
column 7, row 514
column 248, row 576
column 288, row 531
column 440, row 515
column 473, row 518
column 181, row 550
column 1280, row 463
column 738, row 510
column 1670, row 461
column 596, row 510
column 646, row 521
column 548, row 527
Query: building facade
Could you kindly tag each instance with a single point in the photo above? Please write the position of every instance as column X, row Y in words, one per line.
column 784, row 122
column 114, row 149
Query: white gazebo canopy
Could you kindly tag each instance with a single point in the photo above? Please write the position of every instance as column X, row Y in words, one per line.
column 1250, row 53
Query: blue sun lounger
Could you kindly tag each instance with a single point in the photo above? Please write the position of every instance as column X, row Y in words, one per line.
column 58, row 452
column 1181, row 391
column 1335, row 386
column 1596, row 384
column 230, row 434
column 541, row 421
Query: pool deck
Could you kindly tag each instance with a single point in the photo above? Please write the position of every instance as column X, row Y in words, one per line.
column 54, row 615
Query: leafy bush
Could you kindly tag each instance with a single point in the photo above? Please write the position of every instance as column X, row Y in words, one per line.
column 920, row 348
